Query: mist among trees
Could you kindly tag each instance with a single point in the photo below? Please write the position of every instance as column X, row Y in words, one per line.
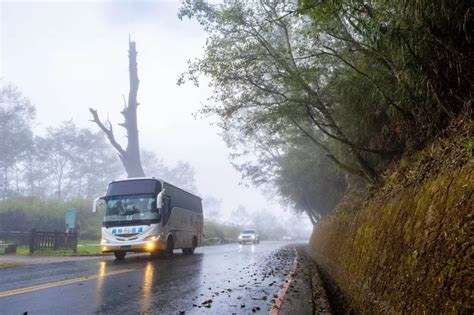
column 67, row 161
column 314, row 96
column 67, row 166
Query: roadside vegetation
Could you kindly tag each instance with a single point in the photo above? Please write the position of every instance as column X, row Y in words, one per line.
column 225, row 232
column 47, row 214
column 84, row 248
column 8, row 265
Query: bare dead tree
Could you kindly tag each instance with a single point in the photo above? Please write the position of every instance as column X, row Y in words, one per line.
column 130, row 157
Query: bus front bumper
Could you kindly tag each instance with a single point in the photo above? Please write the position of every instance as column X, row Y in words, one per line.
column 146, row 247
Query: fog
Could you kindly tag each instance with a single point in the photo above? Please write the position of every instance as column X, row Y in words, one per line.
column 67, row 56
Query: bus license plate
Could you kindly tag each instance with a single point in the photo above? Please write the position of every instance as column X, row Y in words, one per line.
column 126, row 247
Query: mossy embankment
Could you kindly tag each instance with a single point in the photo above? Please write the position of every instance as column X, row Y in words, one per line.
column 407, row 247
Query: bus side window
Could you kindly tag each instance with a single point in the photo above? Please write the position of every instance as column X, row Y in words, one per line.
column 166, row 209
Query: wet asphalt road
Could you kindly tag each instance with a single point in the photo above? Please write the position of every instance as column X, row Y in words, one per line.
column 226, row 279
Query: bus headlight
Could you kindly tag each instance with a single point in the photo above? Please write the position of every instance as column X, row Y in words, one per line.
column 104, row 241
column 152, row 238
column 150, row 246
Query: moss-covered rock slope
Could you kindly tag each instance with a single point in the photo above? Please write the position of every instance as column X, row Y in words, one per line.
column 408, row 247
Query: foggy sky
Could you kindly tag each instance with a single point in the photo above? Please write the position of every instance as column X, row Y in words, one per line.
column 67, row 56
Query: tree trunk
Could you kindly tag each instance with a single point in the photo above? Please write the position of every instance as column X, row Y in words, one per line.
column 130, row 157
column 133, row 162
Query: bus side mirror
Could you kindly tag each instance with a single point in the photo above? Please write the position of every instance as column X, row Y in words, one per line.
column 159, row 200
column 97, row 202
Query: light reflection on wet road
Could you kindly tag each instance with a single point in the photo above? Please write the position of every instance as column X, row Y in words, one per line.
column 216, row 280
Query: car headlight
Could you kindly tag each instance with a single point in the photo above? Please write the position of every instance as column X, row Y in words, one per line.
column 152, row 238
column 252, row 236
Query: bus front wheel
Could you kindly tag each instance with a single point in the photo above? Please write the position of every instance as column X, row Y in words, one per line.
column 169, row 246
column 120, row 255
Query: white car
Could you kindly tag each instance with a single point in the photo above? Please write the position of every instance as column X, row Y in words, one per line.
column 249, row 236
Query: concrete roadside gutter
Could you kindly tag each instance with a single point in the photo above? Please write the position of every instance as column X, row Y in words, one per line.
column 305, row 294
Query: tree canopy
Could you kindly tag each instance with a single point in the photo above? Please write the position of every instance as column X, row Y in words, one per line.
column 357, row 82
column 65, row 162
column 16, row 137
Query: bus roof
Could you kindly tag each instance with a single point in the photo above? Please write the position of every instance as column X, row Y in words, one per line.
column 153, row 178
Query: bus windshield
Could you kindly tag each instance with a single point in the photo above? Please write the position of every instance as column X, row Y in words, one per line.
column 131, row 208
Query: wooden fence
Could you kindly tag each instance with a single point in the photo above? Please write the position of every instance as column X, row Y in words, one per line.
column 15, row 237
column 38, row 240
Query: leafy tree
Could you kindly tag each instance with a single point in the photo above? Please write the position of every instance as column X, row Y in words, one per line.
column 268, row 74
column 153, row 165
column 224, row 231
column 212, row 207
column 260, row 221
column 35, row 178
column 78, row 161
column 241, row 216
column 16, row 115
column 308, row 180
column 96, row 167
column 412, row 57
column 362, row 81
column 47, row 214
column 181, row 175
column 59, row 155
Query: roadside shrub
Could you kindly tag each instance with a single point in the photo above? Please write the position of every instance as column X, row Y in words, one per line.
column 48, row 214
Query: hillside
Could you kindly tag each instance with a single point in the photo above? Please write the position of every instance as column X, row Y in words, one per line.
column 407, row 247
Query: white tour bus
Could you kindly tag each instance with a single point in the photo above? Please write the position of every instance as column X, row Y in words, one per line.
column 149, row 215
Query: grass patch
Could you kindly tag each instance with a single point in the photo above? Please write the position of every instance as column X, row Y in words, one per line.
column 8, row 264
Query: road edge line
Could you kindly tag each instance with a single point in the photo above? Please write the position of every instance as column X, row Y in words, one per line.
column 276, row 306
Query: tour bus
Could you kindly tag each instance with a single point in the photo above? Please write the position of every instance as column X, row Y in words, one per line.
column 149, row 215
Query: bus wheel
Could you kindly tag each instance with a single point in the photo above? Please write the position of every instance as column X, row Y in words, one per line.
column 169, row 246
column 120, row 255
column 190, row 251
